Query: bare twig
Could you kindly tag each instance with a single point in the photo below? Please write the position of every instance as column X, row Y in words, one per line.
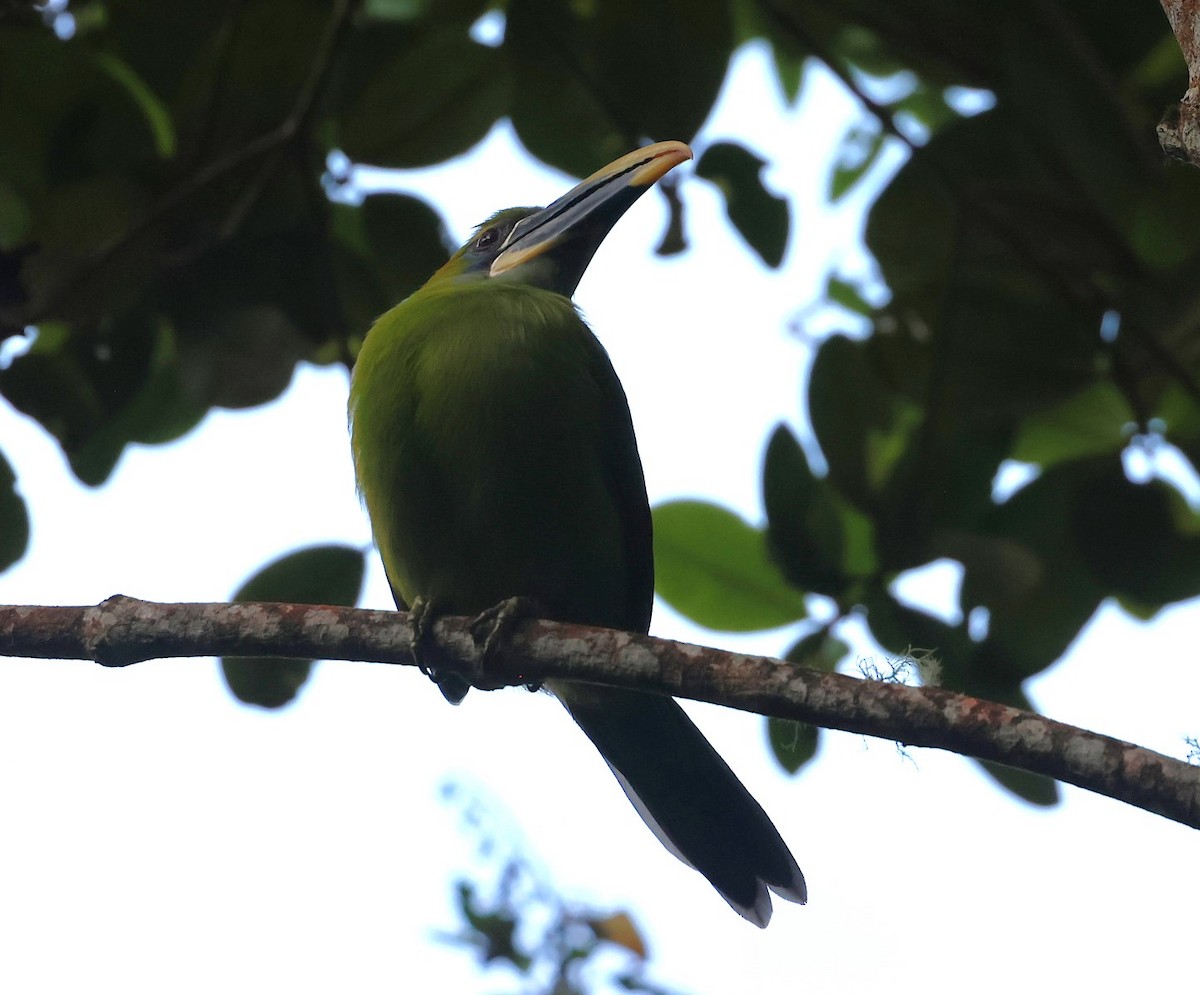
column 122, row 630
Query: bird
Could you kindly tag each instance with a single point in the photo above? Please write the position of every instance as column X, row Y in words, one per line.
column 494, row 451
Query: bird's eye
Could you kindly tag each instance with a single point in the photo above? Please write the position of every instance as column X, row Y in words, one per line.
column 487, row 239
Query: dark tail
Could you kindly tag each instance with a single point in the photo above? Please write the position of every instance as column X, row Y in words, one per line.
column 688, row 795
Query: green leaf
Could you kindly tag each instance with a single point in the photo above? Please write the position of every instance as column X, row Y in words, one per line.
column 927, row 104
column 317, row 575
column 1164, row 228
column 158, row 118
column 256, row 57
column 906, row 632
column 87, row 215
column 713, row 567
column 793, row 743
column 1179, row 413
column 790, row 61
column 1081, row 143
column 819, row 543
column 15, row 219
column 160, row 410
column 847, row 294
column 382, row 252
column 244, row 358
column 435, row 99
column 80, row 269
column 965, row 277
column 462, row 11
column 754, row 21
column 396, row 10
column 591, row 81
column 97, row 392
column 1034, row 580
column 821, row 650
column 248, row 308
column 961, row 664
column 911, row 231
column 1093, row 422
column 761, row 217
column 862, row 425
column 899, row 445
column 406, row 240
column 945, row 654
column 41, row 79
column 14, row 518
column 1037, row 789
column 858, row 152
column 268, row 682
column 164, row 44
column 362, row 295
column 1139, row 540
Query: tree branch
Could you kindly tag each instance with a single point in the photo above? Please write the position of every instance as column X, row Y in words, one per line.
column 1179, row 131
column 121, row 631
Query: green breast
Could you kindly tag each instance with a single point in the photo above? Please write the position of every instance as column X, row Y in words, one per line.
column 495, row 453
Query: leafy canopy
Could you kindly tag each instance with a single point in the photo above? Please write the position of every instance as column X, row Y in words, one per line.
column 167, row 225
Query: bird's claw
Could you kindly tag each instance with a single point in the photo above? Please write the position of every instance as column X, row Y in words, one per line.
column 494, row 625
column 453, row 685
column 421, row 617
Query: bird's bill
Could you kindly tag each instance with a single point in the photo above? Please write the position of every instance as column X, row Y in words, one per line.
column 589, row 210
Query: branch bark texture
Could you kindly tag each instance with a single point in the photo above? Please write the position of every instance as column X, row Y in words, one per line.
column 1179, row 132
column 121, row 631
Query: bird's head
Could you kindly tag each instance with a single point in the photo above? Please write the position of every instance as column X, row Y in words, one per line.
column 551, row 246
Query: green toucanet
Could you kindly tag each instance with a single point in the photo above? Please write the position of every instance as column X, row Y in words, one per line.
column 495, row 452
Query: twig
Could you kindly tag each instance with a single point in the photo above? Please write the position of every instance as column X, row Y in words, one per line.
column 222, row 47
column 122, row 631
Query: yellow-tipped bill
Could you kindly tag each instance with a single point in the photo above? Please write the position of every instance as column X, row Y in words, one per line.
column 586, row 213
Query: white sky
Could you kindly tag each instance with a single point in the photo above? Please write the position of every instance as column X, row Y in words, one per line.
column 158, row 837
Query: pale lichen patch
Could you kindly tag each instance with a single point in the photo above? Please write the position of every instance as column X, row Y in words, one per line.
column 330, row 621
column 1084, row 753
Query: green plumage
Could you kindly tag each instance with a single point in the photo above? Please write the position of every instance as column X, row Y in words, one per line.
column 495, row 452
column 501, row 459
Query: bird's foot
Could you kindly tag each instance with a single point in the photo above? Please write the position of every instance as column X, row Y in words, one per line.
column 421, row 617
column 453, row 685
column 493, row 626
